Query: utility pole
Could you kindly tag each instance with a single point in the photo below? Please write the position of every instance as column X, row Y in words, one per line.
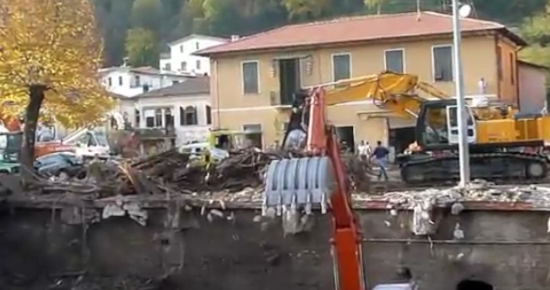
column 463, row 148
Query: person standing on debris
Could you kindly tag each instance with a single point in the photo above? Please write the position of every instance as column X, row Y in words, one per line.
column 380, row 155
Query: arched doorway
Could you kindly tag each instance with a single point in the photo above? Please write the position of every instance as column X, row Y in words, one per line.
column 473, row 285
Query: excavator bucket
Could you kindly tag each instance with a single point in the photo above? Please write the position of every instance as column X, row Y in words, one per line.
column 299, row 183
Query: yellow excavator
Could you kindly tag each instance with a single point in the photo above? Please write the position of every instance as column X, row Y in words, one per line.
column 504, row 145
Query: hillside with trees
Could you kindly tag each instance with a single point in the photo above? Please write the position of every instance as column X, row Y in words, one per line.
column 140, row 29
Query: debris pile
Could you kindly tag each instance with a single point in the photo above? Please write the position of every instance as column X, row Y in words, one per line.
column 176, row 172
column 478, row 190
column 422, row 203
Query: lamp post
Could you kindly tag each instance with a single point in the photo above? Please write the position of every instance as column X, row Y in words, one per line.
column 463, row 150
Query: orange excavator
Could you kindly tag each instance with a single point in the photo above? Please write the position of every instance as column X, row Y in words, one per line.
column 295, row 185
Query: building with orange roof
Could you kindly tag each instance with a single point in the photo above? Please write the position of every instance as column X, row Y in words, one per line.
column 253, row 78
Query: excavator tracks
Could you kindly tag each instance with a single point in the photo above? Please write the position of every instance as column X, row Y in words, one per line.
column 498, row 167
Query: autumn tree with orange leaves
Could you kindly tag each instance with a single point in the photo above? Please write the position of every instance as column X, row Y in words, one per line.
column 50, row 53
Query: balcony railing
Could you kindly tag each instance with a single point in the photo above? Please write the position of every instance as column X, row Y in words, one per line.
column 276, row 99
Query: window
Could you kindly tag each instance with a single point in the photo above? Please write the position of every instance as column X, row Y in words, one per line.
column 499, row 63
column 253, row 135
column 442, row 63
column 168, row 67
column 120, row 81
column 183, row 65
column 208, row 115
column 181, row 48
column 137, row 81
column 188, row 116
column 110, row 81
column 197, row 45
column 198, row 64
column 250, row 77
column 137, row 117
column 341, row 66
column 149, row 118
column 512, row 69
column 255, row 128
column 394, row 60
column 158, row 118
column 168, row 118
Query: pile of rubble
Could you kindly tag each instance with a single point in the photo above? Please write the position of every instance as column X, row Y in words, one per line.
column 485, row 195
column 478, row 190
column 175, row 172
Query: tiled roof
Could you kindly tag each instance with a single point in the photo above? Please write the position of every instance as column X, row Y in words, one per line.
column 354, row 29
column 190, row 87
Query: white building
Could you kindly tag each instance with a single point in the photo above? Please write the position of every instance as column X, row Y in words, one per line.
column 128, row 81
column 181, row 58
column 183, row 107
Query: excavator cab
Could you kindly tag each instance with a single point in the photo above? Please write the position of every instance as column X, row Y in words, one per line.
column 437, row 125
column 295, row 135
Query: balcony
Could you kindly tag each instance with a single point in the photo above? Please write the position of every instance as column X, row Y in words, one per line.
column 276, row 100
column 156, row 133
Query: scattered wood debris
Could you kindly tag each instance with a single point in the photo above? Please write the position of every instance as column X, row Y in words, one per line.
column 175, row 172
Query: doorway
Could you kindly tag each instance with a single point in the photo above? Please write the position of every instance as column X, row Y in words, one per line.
column 289, row 79
column 401, row 138
column 347, row 137
column 473, row 285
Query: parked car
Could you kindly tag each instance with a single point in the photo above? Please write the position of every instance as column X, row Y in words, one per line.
column 62, row 164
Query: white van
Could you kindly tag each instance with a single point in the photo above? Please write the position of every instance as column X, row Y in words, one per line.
column 197, row 150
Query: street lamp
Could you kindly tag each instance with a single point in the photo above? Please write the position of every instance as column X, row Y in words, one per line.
column 463, row 150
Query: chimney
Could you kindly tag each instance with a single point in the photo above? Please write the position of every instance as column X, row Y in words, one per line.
column 235, row 37
column 125, row 62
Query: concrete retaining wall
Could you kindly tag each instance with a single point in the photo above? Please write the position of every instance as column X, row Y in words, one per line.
column 507, row 249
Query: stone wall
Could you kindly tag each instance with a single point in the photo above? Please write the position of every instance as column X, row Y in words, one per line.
column 507, row 249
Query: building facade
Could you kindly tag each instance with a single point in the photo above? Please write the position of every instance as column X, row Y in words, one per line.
column 180, row 59
column 257, row 75
column 183, row 108
column 129, row 82
column 532, row 85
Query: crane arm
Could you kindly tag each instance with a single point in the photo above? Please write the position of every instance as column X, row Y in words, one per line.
column 389, row 91
column 322, row 141
column 316, row 180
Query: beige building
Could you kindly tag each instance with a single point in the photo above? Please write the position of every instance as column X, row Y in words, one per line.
column 253, row 78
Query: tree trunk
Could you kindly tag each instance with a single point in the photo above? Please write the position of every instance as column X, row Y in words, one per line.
column 29, row 129
column 379, row 8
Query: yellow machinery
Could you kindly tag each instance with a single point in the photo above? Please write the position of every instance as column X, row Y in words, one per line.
column 228, row 139
column 498, row 137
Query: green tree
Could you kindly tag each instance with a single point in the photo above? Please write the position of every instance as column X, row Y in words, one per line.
column 375, row 3
column 147, row 14
column 536, row 32
column 306, row 9
column 224, row 17
column 113, row 19
column 142, row 47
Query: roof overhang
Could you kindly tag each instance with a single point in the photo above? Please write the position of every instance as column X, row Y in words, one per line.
column 534, row 65
column 390, row 39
